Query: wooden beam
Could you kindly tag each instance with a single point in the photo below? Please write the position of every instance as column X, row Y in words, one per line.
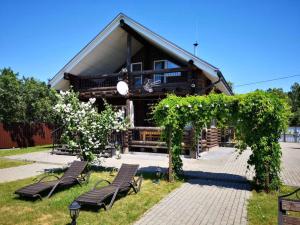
column 172, row 70
column 147, row 128
column 128, row 58
column 128, row 61
column 68, row 76
column 136, row 73
column 134, row 34
column 99, row 76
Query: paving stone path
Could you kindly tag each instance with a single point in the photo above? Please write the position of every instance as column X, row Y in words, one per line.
column 212, row 202
column 219, row 195
column 216, row 191
column 22, row 172
column 291, row 164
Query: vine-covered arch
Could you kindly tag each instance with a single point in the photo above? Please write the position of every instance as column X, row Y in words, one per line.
column 258, row 117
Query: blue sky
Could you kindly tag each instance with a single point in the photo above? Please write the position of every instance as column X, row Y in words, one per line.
column 248, row 40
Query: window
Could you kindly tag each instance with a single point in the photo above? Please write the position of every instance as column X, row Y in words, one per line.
column 164, row 64
column 138, row 79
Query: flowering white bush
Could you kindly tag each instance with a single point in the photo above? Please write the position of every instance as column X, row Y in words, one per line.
column 85, row 129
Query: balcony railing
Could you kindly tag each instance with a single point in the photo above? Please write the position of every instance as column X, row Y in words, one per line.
column 165, row 77
column 85, row 84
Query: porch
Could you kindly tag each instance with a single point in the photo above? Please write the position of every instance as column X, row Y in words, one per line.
column 148, row 139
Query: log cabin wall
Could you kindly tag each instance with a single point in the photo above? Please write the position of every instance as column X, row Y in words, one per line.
column 180, row 85
column 213, row 137
column 148, row 54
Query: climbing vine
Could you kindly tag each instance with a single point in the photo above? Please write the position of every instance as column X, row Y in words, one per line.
column 259, row 119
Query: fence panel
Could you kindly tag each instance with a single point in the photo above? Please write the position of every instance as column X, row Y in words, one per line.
column 291, row 135
column 24, row 135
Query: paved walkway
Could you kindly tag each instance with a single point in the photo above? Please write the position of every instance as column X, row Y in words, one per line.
column 22, row 172
column 291, row 164
column 219, row 195
column 216, row 191
column 213, row 202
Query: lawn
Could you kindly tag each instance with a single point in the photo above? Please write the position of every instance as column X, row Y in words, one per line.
column 55, row 210
column 6, row 163
column 19, row 151
column 263, row 208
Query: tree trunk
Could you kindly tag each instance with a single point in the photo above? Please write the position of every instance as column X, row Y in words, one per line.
column 169, row 142
column 267, row 184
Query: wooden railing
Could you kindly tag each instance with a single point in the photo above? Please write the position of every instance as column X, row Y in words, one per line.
column 109, row 81
column 150, row 137
column 98, row 83
column 146, row 137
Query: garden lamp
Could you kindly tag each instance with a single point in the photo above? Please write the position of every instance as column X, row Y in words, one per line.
column 74, row 212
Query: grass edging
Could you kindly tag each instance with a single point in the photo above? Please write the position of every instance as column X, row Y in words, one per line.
column 18, row 151
column 263, row 207
column 8, row 163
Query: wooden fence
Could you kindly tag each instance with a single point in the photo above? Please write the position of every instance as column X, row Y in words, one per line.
column 291, row 135
column 24, row 135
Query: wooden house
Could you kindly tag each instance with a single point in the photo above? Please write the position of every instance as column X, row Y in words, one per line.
column 152, row 67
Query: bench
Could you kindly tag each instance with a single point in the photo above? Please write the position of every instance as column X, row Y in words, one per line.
column 286, row 205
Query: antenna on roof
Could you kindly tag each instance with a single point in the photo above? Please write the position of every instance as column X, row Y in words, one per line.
column 195, row 48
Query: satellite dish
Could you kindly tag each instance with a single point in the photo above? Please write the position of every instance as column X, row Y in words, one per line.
column 149, row 84
column 122, row 88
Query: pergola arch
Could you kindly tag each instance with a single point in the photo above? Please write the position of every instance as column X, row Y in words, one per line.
column 259, row 118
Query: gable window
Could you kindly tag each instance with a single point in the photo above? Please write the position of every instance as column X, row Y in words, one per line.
column 137, row 80
column 165, row 64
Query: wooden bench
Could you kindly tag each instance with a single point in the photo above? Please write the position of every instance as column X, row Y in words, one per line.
column 286, row 205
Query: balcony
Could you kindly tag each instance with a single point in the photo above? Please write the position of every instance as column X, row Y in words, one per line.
column 161, row 81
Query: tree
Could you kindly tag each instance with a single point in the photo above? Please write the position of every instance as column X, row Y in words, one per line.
column 279, row 92
column 25, row 100
column 10, row 96
column 294, row 95
column 38, row 100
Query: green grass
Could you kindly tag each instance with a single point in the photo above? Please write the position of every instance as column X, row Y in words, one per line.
column 55, row 210
column 24, row 150
column 263, row 207
column 6, row 163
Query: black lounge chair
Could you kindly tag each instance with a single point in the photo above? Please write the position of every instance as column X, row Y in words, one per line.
column 122, row 183
column 73, row 175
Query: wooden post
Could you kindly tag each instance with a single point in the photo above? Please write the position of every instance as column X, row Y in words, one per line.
column 130, row 116
column 169, row 143
column 191, row 78
column 128, row 59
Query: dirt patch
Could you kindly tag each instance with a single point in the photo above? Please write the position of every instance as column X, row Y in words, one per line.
column 44, row 219
column 19, row 209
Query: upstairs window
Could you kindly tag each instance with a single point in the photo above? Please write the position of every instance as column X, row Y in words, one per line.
column 164, row 64
column 137, row 80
